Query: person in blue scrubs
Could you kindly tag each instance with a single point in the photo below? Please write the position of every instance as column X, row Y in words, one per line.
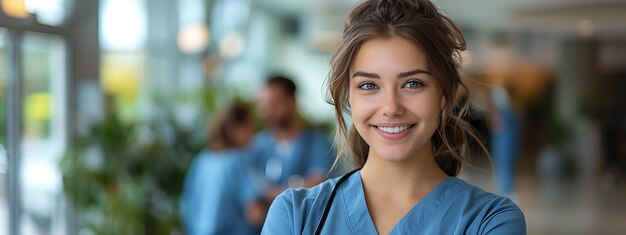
column 396, row 74
column 504, row 144
column 219, row 194
column 287, row 154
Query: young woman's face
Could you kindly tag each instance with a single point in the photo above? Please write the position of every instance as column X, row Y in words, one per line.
column 242, row 133
column 395, row 100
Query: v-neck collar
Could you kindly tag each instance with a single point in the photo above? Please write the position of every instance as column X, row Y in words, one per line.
column 361, row 221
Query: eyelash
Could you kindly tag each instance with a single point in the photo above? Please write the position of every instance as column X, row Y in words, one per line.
column 420, row 84
column 362, row 85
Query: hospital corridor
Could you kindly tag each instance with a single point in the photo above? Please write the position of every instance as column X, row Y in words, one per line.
column 199, row 117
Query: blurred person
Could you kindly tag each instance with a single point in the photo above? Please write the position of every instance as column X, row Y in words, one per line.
column 614, row 147
column 504, row 141
column 287, row 154
column 396, row 74
column 219, row 194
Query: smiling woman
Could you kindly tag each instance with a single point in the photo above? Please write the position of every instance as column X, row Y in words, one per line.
column 396, row 74
column 395, row 102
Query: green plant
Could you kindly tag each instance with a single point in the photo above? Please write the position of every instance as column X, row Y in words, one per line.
column 558, row 133
column 122, row 182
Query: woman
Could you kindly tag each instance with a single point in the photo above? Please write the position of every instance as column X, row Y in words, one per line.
column 396, row 74
column 219, row 194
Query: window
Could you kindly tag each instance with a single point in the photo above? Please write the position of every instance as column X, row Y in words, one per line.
column 33, row 115
column 43, row 133
column 4, row 206
column 49, row 12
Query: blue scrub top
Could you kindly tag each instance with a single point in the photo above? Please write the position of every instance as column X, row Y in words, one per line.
column 308, row 154
column 216, row 193
column 453, row 207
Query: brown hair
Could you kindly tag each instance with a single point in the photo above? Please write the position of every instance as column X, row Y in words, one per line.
column 441, row 39
column 284, row 83
column 219, row 136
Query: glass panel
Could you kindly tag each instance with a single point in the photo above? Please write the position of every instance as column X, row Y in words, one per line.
column 50, row 12
column 123, row 25
column 43, row 134
column 4, row 206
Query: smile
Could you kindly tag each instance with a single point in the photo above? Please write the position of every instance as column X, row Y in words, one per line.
column 394, row 132
column 394, row 129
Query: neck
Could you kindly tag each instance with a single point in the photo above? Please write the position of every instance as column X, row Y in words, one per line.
column 288, row 131
column 413, row 178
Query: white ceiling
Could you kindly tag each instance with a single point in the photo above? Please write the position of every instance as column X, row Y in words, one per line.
column 484, row 14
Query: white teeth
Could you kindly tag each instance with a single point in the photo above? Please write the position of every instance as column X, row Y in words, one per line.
column 394, row 129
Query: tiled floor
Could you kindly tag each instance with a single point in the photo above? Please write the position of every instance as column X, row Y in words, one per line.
column 574, row 204
column 579, row 205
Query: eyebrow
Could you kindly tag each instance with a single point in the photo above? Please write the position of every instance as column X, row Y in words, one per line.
column 400, row 75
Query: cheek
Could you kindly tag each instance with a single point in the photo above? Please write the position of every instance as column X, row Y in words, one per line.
column 362, row 110
column 427, row 108
column 355, row 106
column 263, row 106
column 280, row 110
column 264, row 111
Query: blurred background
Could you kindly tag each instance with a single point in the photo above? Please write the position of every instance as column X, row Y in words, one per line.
column 104, row 103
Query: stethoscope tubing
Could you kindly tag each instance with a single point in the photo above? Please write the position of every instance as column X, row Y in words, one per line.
column 329, row 203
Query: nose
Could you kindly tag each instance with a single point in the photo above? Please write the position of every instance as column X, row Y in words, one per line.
column 392, row 106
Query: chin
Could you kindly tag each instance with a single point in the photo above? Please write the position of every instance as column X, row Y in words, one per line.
column 393, row 154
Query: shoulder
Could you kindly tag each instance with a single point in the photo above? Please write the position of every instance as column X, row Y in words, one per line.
column 480, row 196
column 493, row 213
column 293, row 209
column 316, row 134
column 202, row 159
column 263, row 134
column 227, row 159
column 305, row 198
column 261, row 138
column 318, row 139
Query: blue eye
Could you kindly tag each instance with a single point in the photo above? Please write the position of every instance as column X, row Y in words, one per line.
column 413, row 84
column 367, row 86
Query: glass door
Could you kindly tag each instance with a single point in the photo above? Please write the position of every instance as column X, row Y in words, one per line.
column 33, row 114
column 43, row 133
column 4, row 161
column 33, row 132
